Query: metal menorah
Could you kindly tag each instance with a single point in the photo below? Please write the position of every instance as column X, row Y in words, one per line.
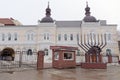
column 92, row 43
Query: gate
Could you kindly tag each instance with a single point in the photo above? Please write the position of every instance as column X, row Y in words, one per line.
column 22, row 59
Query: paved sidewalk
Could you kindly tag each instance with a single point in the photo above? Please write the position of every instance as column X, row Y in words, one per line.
column 111, row 73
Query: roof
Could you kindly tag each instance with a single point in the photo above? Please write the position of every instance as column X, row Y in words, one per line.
column 68, row 23
column 6, row 21
column 89, row 19
column 47, row 19
column 63, row 47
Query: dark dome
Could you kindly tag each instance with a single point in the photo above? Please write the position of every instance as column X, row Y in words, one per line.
column 89, row 19
column 47, row 19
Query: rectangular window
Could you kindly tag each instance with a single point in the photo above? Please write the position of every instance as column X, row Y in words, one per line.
column 68, row 56
column 56, row 56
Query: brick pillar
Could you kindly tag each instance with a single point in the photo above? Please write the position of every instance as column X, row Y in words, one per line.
column 87, row 58
column 40, row 60
column 109, row 59
column 100, row 58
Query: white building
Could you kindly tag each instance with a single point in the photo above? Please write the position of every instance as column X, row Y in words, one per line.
column 49, row 32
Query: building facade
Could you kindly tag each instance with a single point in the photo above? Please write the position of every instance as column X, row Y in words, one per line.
column 49, row 32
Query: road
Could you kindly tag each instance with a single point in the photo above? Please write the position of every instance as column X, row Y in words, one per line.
column 111, row 73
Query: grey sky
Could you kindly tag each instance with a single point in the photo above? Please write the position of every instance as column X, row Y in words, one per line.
column 29, row 11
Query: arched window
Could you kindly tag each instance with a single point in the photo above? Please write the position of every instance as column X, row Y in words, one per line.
column 71, row 37
column 108, row 52
column 15, row 36
column 65, row 37
column 59, row 37
column 46, row 36
column 109, row 36
column 30, row 35
column 46, row 52
column 3, row 37
column 24, row 50
column 9, row 36
column 34, row 50
column 29, row 52
column 92, row 36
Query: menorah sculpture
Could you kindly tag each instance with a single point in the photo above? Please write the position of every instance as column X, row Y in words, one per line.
column 92, row 45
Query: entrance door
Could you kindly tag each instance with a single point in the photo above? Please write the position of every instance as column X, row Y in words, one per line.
column 94, row 58
column 7, row 54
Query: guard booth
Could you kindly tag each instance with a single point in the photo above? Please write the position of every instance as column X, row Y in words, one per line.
column 63, row 56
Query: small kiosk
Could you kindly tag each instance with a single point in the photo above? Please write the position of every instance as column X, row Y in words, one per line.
column 63, row 56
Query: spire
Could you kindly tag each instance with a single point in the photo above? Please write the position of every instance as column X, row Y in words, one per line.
column 48, row 11
column 47, row 18
column 48, row 4
column 87, row 9
column 88, row 17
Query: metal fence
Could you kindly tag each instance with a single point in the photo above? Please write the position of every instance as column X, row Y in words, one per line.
column 21, row 60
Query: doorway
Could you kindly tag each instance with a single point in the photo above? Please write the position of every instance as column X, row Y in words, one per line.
column 7, row 54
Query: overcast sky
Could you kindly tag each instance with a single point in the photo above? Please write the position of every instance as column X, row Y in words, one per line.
column 29, row 11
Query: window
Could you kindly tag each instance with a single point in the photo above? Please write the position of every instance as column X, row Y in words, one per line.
column 108, row 52
column 68, row 56
column 34, row 50
column 29, row 52
column 32, row 36
column 15, row 36
column 46, row 52
column 56, row 56
column 46, row 36
column 3, row 37
column 28, row 36
column 77, row 37
column 78, row 52
column 109, row 36
column 92, row 36
column 71, row 37
column 9, row 37
column 59, row 37
column 65, row 37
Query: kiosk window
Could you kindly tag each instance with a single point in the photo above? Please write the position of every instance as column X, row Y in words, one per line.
column 68, row 55
column 56, row 56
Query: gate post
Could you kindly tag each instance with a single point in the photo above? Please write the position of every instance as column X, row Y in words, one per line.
column 20, row 58
column 109, row 59
column 40, row 59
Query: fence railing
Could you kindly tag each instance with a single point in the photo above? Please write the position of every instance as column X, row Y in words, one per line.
column 21, row 59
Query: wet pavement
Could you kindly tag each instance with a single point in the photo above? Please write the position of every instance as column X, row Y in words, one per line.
column 111, row 73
